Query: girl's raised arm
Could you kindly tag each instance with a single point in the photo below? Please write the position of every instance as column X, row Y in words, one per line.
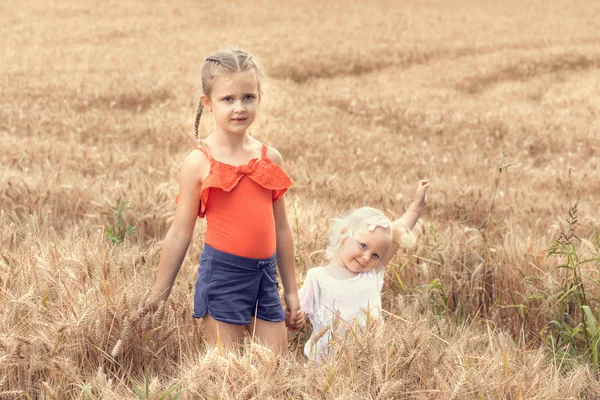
column 177, row 239
column 412, row 214
column 408, row 220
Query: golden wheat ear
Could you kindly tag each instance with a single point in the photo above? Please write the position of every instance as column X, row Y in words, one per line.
column 219, row 342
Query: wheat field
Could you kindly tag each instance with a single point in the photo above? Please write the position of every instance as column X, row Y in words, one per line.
column 496, row 103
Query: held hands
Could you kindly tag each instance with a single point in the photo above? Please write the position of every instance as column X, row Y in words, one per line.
column 294, row 316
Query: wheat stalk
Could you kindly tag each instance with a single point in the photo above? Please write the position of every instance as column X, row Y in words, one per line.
column 116, row 351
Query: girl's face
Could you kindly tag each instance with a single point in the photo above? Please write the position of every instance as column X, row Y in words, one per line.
column 234, row 101
column 363, row 255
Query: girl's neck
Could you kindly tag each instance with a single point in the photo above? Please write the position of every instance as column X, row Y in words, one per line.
column 232, row 141
column 337, row 270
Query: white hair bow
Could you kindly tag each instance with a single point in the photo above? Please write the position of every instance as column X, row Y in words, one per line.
column 375, row 221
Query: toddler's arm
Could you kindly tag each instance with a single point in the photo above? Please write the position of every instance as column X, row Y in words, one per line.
column 411, row 216
column 177, row 240
column 407, row 221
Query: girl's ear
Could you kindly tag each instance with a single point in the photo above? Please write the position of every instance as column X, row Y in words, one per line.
column 206, row 102
column 343, row 234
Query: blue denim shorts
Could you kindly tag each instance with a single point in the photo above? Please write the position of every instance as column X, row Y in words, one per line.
column 233, row 288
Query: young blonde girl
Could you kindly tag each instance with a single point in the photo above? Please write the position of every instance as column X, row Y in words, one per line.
column 238, row 183
column 349, row 286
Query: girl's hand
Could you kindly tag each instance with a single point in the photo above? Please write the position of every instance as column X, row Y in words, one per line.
column 294, row 316
column 420, row 198
column 291, row 324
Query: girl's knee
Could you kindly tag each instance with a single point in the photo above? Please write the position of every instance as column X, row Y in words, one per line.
column 217, row 331
column 269, row 334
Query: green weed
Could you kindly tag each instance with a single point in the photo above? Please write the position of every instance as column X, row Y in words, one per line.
column 574, row 332
column 119, row 229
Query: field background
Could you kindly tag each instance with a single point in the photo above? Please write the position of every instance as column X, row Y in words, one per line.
column 363, row 100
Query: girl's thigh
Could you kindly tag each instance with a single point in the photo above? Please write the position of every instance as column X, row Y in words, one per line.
column 231, row 335
column 270, row 334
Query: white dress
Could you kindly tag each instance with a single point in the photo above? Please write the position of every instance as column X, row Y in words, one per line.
column 322, row 297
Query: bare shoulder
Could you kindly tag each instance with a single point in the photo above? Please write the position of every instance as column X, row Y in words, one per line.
column 274, row 155
column 195, row 165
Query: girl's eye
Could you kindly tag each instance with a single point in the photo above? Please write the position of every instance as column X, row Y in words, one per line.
column 376, row 256
column 227, row 99
column 249, row 97
column 363, row 246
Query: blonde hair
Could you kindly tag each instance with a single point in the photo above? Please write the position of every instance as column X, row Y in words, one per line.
column 362, row 221
column 223, row 63
column 355, row 225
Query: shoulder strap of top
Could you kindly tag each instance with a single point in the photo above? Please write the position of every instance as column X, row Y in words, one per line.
column 204, row 148
column 263, row 153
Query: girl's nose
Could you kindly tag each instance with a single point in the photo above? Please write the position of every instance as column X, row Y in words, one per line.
column 239, row 106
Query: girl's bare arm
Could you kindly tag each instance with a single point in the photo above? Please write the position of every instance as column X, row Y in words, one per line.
column 408, row 220
column 177, row 239
column 285, row 247
column 285, row 255
column 412, row 214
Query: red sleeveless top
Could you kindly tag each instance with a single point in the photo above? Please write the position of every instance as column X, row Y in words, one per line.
column 238, row 204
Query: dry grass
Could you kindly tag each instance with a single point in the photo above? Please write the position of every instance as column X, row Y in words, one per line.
column 97, row 105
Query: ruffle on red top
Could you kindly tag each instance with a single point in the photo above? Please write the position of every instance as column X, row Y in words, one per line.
column 262, row 171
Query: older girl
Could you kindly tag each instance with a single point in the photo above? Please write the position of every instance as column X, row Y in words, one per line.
column 238, row 183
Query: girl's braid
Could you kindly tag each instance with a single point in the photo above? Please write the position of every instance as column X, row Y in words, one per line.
column 198, row 116
column 200, row 105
